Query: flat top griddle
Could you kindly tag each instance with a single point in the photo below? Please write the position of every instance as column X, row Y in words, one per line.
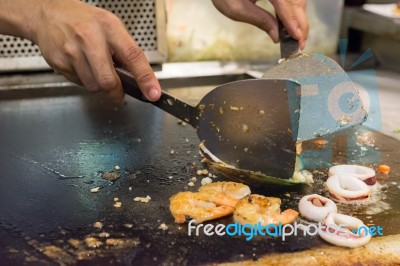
column 56, row 143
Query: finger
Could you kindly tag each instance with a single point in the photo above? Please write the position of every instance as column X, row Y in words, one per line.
column 66, row 70
column 71, row 76
column 134, row 60
column 81, row 68
column 301, row 16
column 85, row 74
column 248, row 12
column 62, row 66
column 285, row 12
column 101, row 66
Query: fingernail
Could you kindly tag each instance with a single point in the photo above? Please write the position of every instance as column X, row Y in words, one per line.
column 153, row 94
column 273, row 33
column 303, row 45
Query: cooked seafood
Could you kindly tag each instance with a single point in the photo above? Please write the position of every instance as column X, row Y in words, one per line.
column 303, row 176
column 383, row 168
column 266, row 210
column 363, row 173
column 230, row 189
column 338, row 229
column 347, row 189
column 315, row 207
column 200, row 206
column 213, row 201
column 396, row 10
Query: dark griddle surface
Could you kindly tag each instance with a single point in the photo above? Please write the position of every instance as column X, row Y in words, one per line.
column 53, row 150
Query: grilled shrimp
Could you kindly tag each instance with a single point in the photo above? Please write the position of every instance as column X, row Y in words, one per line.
column 213, row 201
column 227, row 190
column 266, row 210
column 199, row 206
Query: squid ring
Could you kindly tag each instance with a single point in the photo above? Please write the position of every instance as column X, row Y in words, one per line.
column 347, row 189
column 315, row 207
column 344, row 230
column 363, row 173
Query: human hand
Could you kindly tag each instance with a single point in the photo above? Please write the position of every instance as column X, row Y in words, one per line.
column 80, row 42
column 292, row 13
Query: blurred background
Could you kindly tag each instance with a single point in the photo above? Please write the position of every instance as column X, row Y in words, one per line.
column 182, row 31
column 197, row 31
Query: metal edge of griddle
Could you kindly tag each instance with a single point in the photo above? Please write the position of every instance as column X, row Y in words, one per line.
column 49, row 84
column 380, row 251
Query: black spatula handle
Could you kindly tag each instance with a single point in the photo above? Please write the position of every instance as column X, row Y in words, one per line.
column 289, row 46
column 167, row 102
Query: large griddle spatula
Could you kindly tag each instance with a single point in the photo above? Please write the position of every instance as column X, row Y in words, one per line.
column 329, row 101
column 246, row 124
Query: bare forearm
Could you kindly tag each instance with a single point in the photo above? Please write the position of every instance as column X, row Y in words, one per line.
column 18, row 17
column 80, row 42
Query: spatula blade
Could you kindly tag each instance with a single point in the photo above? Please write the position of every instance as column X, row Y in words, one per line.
column 329, row 100
column 248, row 124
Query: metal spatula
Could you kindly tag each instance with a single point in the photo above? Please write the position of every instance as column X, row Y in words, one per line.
column 329, row 101
column 246, row 124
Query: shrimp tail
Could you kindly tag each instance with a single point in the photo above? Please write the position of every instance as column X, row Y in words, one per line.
column 286, row 217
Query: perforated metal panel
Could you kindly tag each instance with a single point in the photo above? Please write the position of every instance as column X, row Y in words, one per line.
column 139, row 16
column 17, row 47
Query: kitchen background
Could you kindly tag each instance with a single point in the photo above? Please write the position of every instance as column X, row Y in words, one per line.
column 197, row 31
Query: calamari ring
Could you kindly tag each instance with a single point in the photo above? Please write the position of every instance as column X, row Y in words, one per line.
column 315, row 207
column 363, row 173
column 347, row 189
column 338, row 229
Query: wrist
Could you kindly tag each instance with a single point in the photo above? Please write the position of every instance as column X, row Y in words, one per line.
column 20, row 17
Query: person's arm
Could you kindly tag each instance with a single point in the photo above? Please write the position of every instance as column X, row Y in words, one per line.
column 291, row 12
column 80, row 42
